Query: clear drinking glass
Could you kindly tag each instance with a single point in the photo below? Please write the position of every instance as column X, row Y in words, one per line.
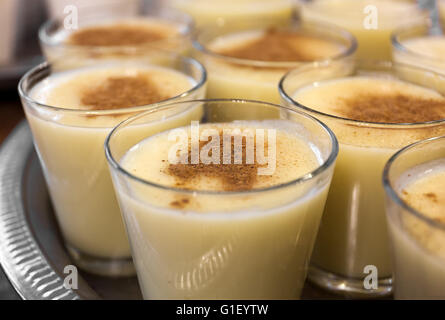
column 417, row 238
column 231, row 77
column 54, row 35
column 353, row 232
column 406, row 47
column 195, row 243
column 371, row 22
column 69, row 143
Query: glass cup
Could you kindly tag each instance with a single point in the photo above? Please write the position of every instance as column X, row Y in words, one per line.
column 416, row 45
column 353, row 232
column 418, row 240
column 371, row 22
column 69, row 143
column 54, row 34
column 231, row 77
column 236, row 12
column 231, row 244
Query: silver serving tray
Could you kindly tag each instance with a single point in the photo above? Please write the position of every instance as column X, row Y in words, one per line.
column 31, row 249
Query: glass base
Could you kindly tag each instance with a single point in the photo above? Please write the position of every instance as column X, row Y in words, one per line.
column 351, row 288
column 120, row 267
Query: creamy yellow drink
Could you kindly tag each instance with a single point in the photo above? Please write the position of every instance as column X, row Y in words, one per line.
column 416, row 46
column 419, row 255
column 432, row 46
column 370, row 21
column 359, row 109
column 100, row 36
column 249, row 64
column 223, row 230
column 133, row 32
column 70, row 113
column 230, row 12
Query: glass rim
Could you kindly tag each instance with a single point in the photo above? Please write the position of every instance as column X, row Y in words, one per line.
column 380, row 63
column 330, row 160
column 303, row 26
column 397, row 44
column 46, row 66
column 392, row 193
column 189, row 23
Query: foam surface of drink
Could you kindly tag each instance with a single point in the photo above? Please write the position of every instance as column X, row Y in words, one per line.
column 337, row 97
column 424, row 189
column 430, row 46
column 275, row 45
column 250, row 46
column 375, row 99
column 136, row 31
column 69, row 89
column 294, row 158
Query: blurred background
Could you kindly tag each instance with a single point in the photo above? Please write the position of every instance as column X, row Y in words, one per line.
column 19, row 50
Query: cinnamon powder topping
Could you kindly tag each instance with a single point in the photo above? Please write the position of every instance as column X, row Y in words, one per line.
column 122, row 92
column 234, row 177
column 432, row 196
column 180, row 203
column 273, row 45
column 116, row 35
column 393, row 108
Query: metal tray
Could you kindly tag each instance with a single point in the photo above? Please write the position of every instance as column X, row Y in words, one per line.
column 31, row 250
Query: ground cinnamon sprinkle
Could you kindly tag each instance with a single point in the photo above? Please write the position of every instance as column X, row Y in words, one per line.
column 274, row 45
column 180, row 203
column 235, row 177
column 116, row 35
column 431, row 195
column 122, row 92
column 393, row 108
